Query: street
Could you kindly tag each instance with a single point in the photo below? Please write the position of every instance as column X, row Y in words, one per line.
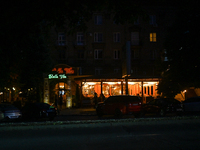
column 146, row 135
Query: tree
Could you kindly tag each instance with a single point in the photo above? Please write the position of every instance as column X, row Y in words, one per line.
column 182, row 69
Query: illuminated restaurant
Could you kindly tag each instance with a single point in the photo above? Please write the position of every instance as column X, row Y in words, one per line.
column 63, row 80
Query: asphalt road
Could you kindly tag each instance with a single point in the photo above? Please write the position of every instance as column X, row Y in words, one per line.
column 140, row 135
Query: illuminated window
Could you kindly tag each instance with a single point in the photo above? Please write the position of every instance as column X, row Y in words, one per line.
column 98, row 19
column 98, row 37
column 151, row 90
column 98, row 54
column 61, row 39
column 152, row 37
column 116, row 54
column 116, row 37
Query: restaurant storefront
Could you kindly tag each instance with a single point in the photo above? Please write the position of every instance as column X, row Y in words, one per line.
column 145, row 88
column 58, row 86
column 63, row 80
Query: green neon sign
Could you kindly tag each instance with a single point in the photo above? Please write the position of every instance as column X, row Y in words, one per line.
column 57, row 76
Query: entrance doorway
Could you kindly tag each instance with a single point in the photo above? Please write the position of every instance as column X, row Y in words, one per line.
column 60, row 94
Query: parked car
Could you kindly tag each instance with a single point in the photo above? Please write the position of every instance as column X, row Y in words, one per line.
column 38, row 111
column 10, row 111
column 119, row 105
column 192, row 104
column 162, row 107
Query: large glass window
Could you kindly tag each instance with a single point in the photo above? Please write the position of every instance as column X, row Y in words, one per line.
column 89, row 88
column 111, row 88
column 115, row 88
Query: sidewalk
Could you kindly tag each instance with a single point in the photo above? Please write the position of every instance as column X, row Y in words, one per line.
column 78, row 111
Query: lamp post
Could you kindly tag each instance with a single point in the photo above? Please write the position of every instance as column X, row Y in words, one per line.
column 127, row 65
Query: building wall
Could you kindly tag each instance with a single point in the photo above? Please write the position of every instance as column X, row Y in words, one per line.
column 148, row 52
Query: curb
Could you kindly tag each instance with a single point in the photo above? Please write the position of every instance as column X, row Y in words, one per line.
column 136, row 120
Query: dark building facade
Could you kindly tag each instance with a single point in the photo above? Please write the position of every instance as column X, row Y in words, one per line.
column 109, row 58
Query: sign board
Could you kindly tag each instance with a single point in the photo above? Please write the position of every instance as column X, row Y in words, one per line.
column 57, row 76
column 65, row 69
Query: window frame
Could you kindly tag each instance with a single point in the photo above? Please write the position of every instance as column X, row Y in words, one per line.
column 135, row 38
column 116, row 54
column 116, row 37
column 98, row 19
column 98, row 54
column 153, row 37
column 98, row 37
column 152, row 19
column 61, row 41
column 80, row 38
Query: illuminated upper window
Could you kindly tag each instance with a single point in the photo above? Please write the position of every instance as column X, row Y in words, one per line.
column 152, row 37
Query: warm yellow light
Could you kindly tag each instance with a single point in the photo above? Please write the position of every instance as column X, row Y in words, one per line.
column 149, row 83
column 131, row 83
column 91, row 83
column 61, row 85
column 152, row 37
column 112, row 83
